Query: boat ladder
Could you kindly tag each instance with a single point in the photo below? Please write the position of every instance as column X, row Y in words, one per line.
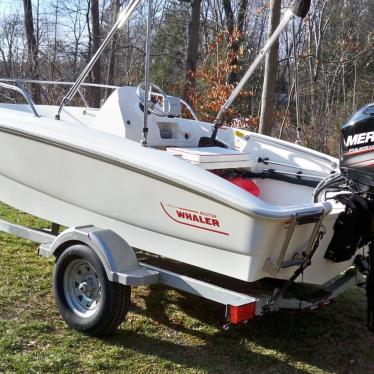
column 297, row 220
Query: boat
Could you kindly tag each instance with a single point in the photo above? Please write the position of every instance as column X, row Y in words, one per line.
column 223, row 199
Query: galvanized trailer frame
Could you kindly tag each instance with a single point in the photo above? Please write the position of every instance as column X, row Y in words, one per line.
column 122, row 266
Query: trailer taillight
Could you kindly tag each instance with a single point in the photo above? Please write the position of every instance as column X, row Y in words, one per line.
column 237, row 314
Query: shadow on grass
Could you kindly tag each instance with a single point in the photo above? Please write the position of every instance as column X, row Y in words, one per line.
column 327, row 340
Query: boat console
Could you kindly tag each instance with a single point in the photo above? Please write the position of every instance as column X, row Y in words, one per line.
column 122, row 115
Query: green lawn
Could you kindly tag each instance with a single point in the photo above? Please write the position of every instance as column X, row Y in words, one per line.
column 167, row 331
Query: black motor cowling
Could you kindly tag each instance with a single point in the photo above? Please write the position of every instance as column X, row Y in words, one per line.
column 357, row 147
column 354, row 228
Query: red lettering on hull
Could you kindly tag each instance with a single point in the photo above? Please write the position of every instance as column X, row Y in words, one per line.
column 200, row 220
column 197, row 218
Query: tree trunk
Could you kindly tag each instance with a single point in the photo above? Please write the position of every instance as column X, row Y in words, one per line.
column 229, row 14
column 112, row 55
column 192, row 47
column 270, row 76
column 96, row 78
column 32, row 49
column 234, row 46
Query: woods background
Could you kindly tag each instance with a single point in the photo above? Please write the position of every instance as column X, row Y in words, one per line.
column 200, row 50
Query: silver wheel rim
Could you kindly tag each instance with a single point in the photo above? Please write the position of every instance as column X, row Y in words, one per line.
column 82, row 288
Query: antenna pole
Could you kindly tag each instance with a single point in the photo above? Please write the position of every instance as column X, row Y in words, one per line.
column 143, row 142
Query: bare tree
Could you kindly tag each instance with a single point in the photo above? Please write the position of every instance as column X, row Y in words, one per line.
column 192, row 47
column 271, row 69
column 10, row 45
column 32, row 47
column 114, row 45
column 235, row 41
column 95, row 37
column 53, row 39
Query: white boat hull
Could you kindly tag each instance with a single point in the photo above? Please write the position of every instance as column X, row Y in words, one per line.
column 71, row 187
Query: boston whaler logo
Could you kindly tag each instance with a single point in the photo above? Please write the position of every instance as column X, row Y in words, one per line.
column 193, row 218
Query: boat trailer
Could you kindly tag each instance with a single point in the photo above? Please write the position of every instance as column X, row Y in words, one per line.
column 122, row 266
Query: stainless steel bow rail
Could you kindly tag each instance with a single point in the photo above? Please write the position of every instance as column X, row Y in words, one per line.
column 56, row 83
column 123, row 266
column 18, row 88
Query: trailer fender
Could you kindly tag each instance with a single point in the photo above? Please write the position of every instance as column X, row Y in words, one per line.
column 118, row 258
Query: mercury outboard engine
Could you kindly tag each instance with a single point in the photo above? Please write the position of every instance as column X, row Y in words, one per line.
column 357, row 164
column 354, row 187
column 357, row 147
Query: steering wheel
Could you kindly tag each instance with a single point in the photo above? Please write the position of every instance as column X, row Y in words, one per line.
column 162, row 108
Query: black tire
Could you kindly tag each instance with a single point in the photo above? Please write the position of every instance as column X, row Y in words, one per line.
column 112, row 305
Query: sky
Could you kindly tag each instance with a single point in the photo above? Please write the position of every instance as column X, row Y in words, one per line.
column 14, row 6
column 9, row 5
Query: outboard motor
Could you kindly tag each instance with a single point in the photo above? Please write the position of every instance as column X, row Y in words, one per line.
column 357, row 164
column 354, row 188
column 357, row 147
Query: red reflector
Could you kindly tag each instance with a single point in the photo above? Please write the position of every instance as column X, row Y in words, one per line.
column 246, row 184
column 237, row 314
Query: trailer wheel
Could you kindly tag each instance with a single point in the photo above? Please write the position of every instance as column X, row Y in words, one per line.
column 86, row 299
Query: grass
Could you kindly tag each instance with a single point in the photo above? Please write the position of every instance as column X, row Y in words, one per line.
column 167, row 331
